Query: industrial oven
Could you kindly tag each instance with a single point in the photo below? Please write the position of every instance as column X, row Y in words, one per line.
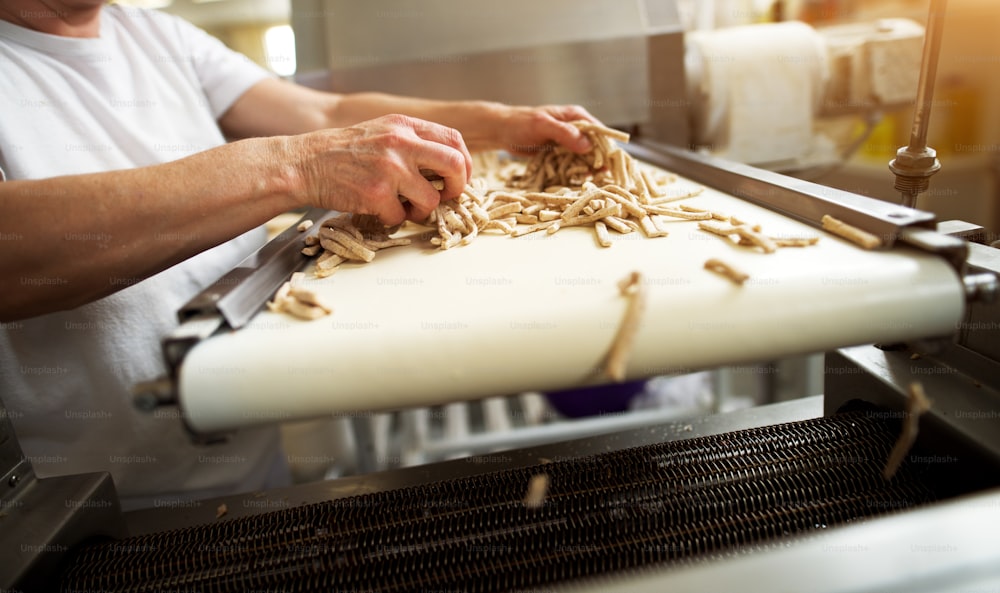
column 786, row 496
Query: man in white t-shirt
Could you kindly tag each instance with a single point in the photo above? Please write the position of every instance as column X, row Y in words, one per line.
column 123, row 199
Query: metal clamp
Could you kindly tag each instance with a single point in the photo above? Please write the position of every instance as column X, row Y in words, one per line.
column 230, row 302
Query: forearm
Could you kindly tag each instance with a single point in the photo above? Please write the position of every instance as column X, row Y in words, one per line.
column 480, row 122
column 75, row 239
column 276, row 107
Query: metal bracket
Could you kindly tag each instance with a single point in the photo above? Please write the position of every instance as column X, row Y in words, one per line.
column 230, row 302
column 798, row 199
column 242, row 292
column 953, row 249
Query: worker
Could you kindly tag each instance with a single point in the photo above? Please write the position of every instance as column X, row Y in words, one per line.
column 141, row 158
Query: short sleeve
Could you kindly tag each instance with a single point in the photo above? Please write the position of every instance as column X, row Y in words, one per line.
column 223, row 73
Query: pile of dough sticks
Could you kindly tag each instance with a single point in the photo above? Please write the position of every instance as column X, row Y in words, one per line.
column 604, row 189
column 349, row 237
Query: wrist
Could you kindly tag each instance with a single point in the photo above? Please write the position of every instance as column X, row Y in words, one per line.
column 487, row 122
column 279, row 176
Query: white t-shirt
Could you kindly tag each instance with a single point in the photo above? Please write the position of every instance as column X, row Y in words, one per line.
column 149, row 90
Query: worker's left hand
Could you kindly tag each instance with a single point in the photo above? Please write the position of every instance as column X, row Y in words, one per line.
column 527, row 130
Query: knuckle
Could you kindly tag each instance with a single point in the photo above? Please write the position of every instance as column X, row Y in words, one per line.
column 395, row 139
column 539, row 117
column 397, row 120
column 453, row 136
column 455, row 161
column 422, row 194
column 379, row 188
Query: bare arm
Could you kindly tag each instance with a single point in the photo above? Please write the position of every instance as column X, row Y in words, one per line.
column 302, row 147
column 278, row 107
column 138, row 222
column 82, row 237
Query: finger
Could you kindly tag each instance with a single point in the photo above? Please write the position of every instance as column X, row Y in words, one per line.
column 391, row 211
column 569, row 136
column 571, row 113
column 449, row 137
column 447, row 163
column 420, row 197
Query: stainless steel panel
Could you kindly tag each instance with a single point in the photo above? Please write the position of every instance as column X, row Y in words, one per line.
column 601, row 55
column 15, row 470
column 40, row 527
column 965, row 409
column 606, row 77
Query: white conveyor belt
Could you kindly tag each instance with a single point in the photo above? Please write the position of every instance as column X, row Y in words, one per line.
column 419, row 326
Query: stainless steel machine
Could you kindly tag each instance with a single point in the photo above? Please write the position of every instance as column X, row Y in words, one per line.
column 787, row 496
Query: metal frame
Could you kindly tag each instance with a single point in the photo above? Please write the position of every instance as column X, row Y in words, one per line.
column 807, row 201
column 948, row 547
column 965, row 409
column 238, row 295
column 41, row 520
column 154, row 520
column 802, row 200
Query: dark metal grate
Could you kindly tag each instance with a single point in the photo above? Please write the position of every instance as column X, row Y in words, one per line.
column 675, row 501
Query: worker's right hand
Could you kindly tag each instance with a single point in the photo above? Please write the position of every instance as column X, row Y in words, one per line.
column 365, row 168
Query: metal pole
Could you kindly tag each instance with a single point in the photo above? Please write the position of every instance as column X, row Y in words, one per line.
column 928, row 73
column 915, row 164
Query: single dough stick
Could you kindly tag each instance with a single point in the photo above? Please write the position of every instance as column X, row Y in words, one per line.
column 437, row 182
column 682, row 214
column 650, row 228
column 851, row 233
column 633, row 288
column 303, row 310
column 717, row 229
column 538, row 489
column 795, row 241
column 715, row 215
column 602, row 234
column 617, row 224
column 504, row 209
column 346, row 252
column 756, row 238
column 385, row 244
column 531, row 229
column 916, row 405
column 280, row 295
column 547, row 215
column 310, row 298
column 588, row 126
column 328, row 261
column 723, row 269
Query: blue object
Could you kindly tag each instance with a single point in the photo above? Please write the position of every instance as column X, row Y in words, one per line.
column 595, row 400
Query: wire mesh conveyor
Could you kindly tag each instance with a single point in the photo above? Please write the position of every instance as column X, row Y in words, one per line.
column 672, row 502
